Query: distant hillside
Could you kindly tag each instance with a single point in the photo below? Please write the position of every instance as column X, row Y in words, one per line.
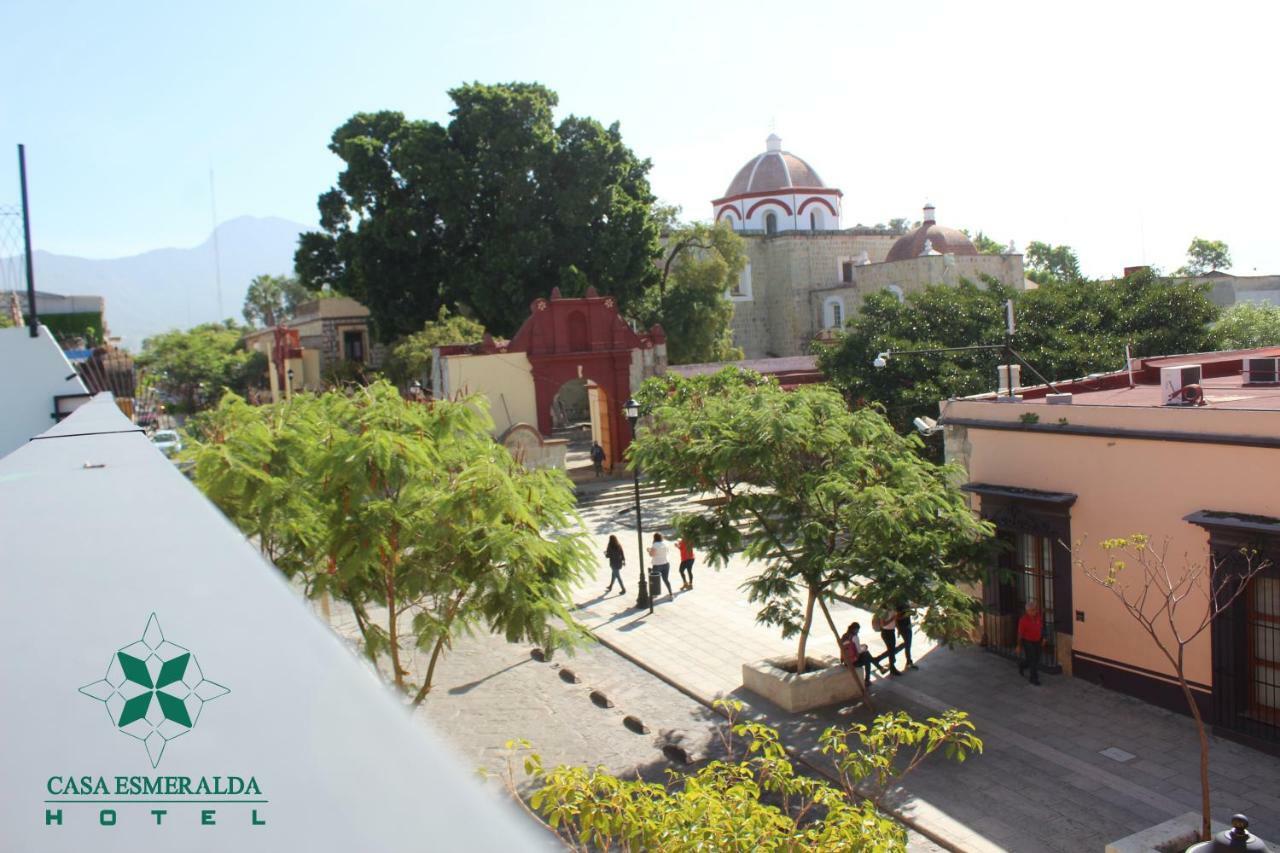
column 175, row 288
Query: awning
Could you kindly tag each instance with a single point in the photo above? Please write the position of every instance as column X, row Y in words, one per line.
column 1019, row 493
column 1235, row 521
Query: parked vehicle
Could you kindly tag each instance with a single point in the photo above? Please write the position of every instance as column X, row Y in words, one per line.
column 168, row 441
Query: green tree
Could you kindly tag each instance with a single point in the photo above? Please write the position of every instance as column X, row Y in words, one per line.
column 1047, row 263
column 936, row 317
column 899, row 226
column 411, row 356
column 1065, row 329
column 193, row 368
column 701, row 264
column 272, row 298
column 409, row 513
column 829, row 501
column 987, row 246
column 753, row 799
column 1205, row 256
column 1246, row 325
column 491, row 211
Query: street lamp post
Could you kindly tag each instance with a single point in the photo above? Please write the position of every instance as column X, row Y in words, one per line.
column 288, row 389
column 632, row 411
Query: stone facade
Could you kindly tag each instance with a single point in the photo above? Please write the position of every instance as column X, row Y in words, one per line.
column 784, row 298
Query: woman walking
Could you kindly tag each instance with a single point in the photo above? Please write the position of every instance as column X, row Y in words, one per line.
column 661, row 563
column 686, row 563
column 885, row 621
column 613, row 553
column 904, row 631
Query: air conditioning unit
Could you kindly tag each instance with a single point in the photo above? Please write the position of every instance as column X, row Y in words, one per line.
column 1262, row 371
column 1174, row 379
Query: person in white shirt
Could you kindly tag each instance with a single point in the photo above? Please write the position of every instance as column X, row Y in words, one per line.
column 855, row 653
column 661, row 563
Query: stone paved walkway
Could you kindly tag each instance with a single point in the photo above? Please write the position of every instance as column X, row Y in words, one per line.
column 1042, row 782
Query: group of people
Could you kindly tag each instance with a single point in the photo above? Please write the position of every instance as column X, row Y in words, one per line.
column 894, row 624
column 660, row 560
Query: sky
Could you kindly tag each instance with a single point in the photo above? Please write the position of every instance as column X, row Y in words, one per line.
column 1121, row 129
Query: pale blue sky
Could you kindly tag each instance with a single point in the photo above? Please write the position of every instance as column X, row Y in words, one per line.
column 1122, row 129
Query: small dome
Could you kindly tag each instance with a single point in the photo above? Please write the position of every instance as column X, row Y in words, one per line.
column 942, row 240
column 774, row 170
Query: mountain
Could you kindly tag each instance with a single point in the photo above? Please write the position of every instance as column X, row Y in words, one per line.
column 176, row 288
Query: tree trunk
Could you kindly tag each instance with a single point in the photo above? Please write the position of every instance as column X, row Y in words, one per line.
column 804, row 630
column 431, row 672
column 1204, row 754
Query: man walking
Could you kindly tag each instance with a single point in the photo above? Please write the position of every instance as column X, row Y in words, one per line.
column 1031, row 635
column 597, row 458
column 686, row 563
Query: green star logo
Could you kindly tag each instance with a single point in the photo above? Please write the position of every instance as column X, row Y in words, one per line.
column 154, row 690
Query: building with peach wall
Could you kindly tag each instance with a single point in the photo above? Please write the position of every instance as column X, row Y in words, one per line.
column 1132, row 452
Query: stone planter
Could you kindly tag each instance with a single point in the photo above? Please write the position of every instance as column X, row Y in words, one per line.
column 816, row 688
column 1176, row 834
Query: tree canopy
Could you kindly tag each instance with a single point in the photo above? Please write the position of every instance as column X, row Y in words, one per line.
column 408, row 512
column 700, row 264
column 410, row 358
column 1246, row 325
column 193, row 368
column 753, row 799
column 1205, row 256
column 490, row 211
column 272, row 298
column 1049, row 263
column 1065, row 329
column 827, row 500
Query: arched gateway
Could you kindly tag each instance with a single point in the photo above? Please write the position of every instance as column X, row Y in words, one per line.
column 563, row 340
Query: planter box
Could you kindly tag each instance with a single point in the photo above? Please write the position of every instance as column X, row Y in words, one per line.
column 1178, row 834
column 815, row 688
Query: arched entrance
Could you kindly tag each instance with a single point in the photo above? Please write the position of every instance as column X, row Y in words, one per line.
column 586, row 339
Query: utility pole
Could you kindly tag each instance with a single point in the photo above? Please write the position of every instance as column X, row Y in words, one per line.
column 33, row 319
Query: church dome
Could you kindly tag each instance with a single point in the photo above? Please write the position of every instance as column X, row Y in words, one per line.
column 930, row 238
column 773, row 171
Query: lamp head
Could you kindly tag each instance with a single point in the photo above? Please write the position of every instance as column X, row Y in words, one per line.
column 631, row 409
column 881, row 360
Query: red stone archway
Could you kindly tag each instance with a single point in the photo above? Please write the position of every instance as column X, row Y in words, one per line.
column 583, row 338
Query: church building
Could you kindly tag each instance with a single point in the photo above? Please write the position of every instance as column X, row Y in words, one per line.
column 805, row 274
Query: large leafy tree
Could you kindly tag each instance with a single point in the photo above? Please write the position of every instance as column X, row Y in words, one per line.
column 1065, row 329
column 410, row 513
column 192, row 368
column 700, row 265
column 827, row 501
column 1051, row 263
column 411, row 356
column 1246, row 325
column 1205, row 256
column 490, row 211
column 272, row 298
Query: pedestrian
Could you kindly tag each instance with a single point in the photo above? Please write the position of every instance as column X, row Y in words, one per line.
column 885, row 621
column 661, row 565
column 904, row 631
column 597, row 458
column 613, row 553
column 686, row 562
column 1031, row 635
column 855, row 653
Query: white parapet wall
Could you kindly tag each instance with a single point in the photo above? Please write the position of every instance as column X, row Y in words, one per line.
column 32, row 372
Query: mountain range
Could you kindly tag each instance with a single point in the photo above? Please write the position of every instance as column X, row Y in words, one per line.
column 176, row 288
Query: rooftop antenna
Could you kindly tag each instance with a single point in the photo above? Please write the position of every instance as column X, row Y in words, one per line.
column 33, row 321
column 217, row 257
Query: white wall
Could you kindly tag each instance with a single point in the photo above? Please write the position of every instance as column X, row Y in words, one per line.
column 32, row 371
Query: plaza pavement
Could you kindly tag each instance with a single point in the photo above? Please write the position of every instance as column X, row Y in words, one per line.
column 1042, row 782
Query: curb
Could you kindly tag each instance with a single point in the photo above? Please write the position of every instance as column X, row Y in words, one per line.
column 896, row 814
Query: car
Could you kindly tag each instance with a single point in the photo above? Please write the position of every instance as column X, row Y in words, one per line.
column 167, row 441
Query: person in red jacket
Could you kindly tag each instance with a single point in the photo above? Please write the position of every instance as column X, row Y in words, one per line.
column 686, row 563
column 1031, row 635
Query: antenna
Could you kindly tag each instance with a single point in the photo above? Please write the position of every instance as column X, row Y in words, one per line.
column 217, row 256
